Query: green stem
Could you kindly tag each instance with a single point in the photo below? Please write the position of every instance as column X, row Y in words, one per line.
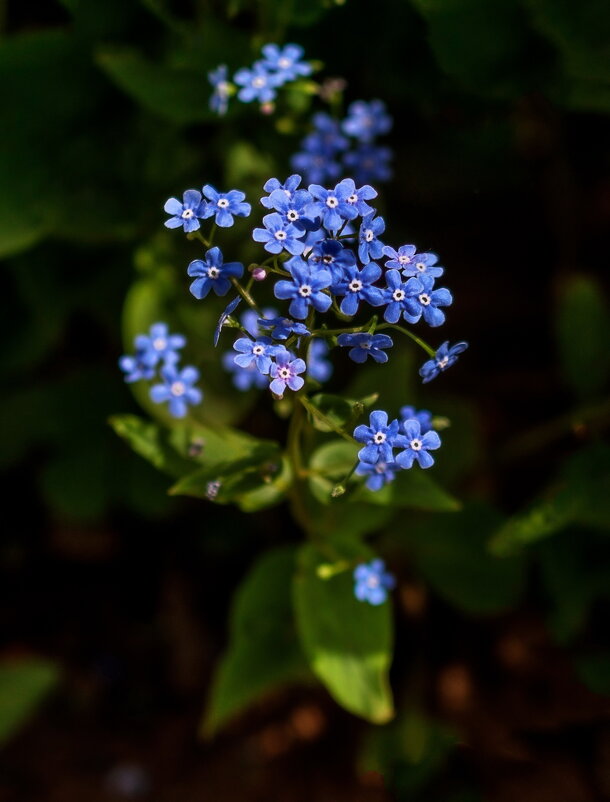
column 428, row 349
column 313, row 410
column 245, row 295
column 198, row 235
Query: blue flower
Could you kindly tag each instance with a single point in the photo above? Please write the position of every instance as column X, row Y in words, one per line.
column 326, row 136
column 426, row 302
column 178, row 389
column 283, row 327
column 285, row 62
column 379, row 474
column 416, row 445
column 365, row 121
column 279, row 235
column 289, row 187
column 318, row 367
column 294, row 210
column 370, row 247
column 224, row 205
column 331, row 255
column 445, row 357
column 135, row 369
column 284, row 373
column 258, row 352
column 243, row 378
column 213, row 274
column 159, row 345
column 364, row 345
column 331, row 204
column 358, row 197
column 306, row 288
column 186, row 212
column 357, row 285
column 249, row 320
column 219, row 99
column 399, row 295
column 257, row 84
column 378, row 438
column 372, row 582
column 316, row 165
column 422, row 416
column 369, row 163
column 412, row 263
column 230, row 308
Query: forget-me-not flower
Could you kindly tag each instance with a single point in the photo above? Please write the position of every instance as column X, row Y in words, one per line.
column 224, row 205
column 357, row 285
column 306, row 288
column 398, row 296
column 258, row 352
column 318, row 366
column 178, row 389
column 372, row 582
column 445, row 357
column 370, row 246
column 285, row 373
column 410, row 263
column 279, row 235
column 283, row 327
column 185, row 212
column 256, row 83
column 427, row 301
column 289, row 187
column 416, row 445
column 422, row 416
column 219, row 99
column 378, row 437
column 365, row 121
column 211, row 273
column 363, row 345
column 285, row 61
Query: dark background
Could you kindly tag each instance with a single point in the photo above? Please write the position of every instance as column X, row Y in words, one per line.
column 502, row 123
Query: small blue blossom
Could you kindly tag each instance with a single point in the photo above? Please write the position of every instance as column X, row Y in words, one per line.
column 219, row 99
column 372, row 582
column 331, row 255
column 422, row 416
column 378, row 438
column 358, row 197
column 243, row 378
column 249, row 320
column 411, row 263
column 289, row 187
column 357, row 285
column 369, row 163
column 399, row 296
column 363, row 345
column 257, row 84
column 178, row 389
column 158, row 345
column 365, row 121
column 213, row 274
column 135, row 369
column 224, row 205
column 331, row 204
column 379, row 474
column 326, row 136
column 283, row 327
column 318, row 367
column 416, row 445
column 186, row 212
column 285, row 62
column 285, row 373
column 279, row 235
column 445, row 357
column 370, row 246
column 426, row 302
column 316, row 166
column 306, row 288
column 258, row 352
column 229, row 309
column 294, row 210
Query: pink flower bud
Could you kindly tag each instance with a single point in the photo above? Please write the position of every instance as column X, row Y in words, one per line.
column 259, row 274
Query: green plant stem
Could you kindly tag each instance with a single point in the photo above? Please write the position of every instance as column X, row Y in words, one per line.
column 245, row 295
column 313, row 410
column 198, row 235
column 427, row 348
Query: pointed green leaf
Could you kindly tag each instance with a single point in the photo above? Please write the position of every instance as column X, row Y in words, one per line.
column 24, row 683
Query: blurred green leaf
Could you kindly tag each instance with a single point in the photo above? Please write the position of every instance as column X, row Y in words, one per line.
column 24, row 683
column 264, row 651
column 348, row 643
column 583, row 332
column 155, row 444
column 414, row 488
column 337, row 413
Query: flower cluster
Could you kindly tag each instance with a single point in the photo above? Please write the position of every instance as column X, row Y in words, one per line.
column 260, row 82
column 158, row 350
column 335, row 148
column 222, row 206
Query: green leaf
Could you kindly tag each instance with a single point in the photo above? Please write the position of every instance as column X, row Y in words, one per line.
column 179, row 94
column 269, row 493
column 451, row 552
column 348, row 643
column 264, row 652
column 583, row 332
column 333, row 413
column 23, row 685
column 415, row 488
column 154, row 443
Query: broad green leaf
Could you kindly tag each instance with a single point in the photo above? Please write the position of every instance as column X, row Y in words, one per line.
column 583, row 332
column 348, row 643
column 451, row 552
column 269, row 493
column 154, row 443
column 24, row 682
column 414, row 488
column 264, row 651
column 337, row 413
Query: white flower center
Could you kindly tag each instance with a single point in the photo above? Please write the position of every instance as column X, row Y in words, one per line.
column 284, row 373
column 442, row 363
column 280, row 235
column 416, row 444
column 353, row 198
column 355, row 285
column 404, row 260
column 366, row 346
column 332, row 202
column 187, row 214
column 379, row 438
column 380, row 467
column 292, row 215
column 328, row 259
column 159, row 344
column 258, row 350
column 288, row 193
column 398, row 295
column 223, row 203
column 178, row 388
column 421, row 267
column 372, row 582
column 213, row 272
column 424, row 299
column 369, row 235
column 305, row 290
column 223, row 88
column 259, row 82
column 284, row 63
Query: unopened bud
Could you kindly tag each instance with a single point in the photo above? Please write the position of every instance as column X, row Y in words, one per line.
column 259, row 274
column 337, row 491
column 267, row 108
